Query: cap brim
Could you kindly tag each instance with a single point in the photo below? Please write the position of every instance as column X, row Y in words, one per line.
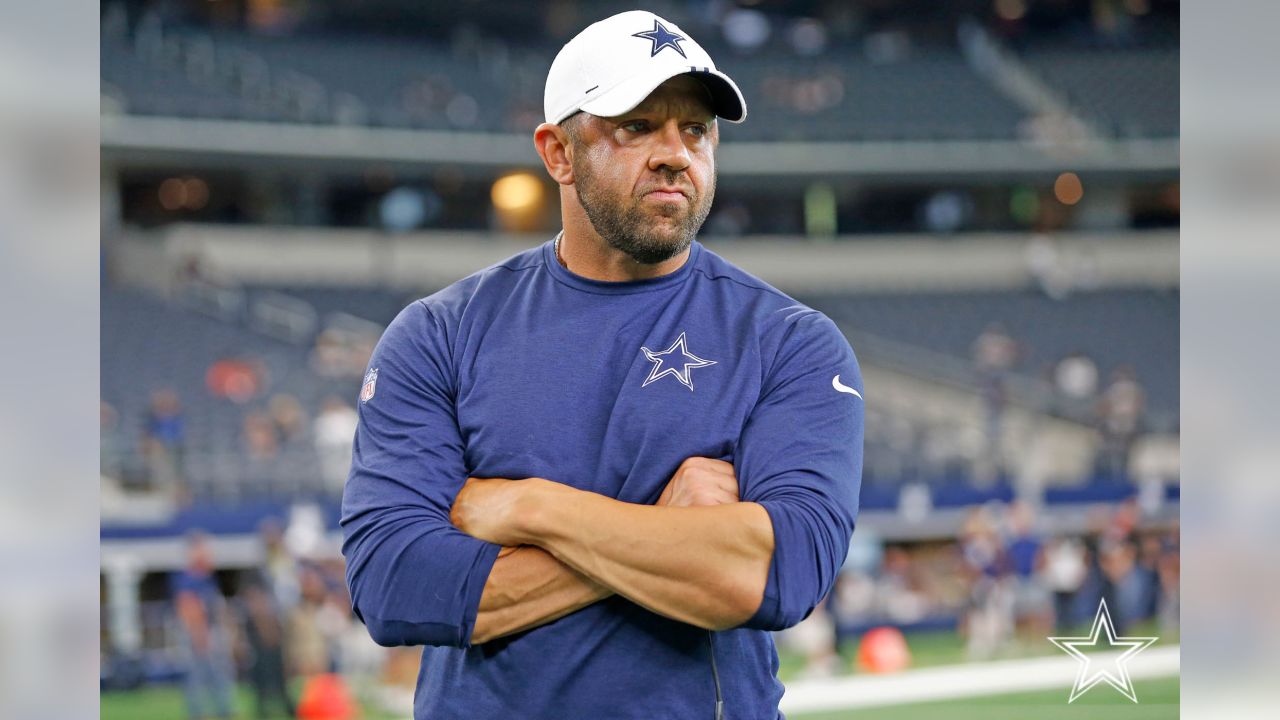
column 726, row 100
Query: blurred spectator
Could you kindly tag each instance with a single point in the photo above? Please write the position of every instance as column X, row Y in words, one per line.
column 264, row 634
column 279, row 567
column 259, row 435
column 995, row 354
column 1065, row 572
column 1075, row 379
column 308, row 646
column 1129, row 587
column 1119, row 412
column 898, row 589
column 852, row 602
column 1103, row 529
column 203, row 633
column 988, row 620
column 1150, row 548
column 163, row 438
column 334, row 617
column 335, row 432
column 1120, row 523
column 164, row 424
column 1169, row 568
column 287, row 418
column 1032, row 607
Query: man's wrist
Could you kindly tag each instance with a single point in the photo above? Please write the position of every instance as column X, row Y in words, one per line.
column 538, row 505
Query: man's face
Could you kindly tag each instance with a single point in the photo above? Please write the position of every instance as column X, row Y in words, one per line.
column 646, row 179
column 199, row 556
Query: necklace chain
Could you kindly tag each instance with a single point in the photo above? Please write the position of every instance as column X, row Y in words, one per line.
column 559, row 257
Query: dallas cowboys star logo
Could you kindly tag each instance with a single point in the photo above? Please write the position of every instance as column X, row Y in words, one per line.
column 662, row 38
column 1114, row 672
column 676, row 361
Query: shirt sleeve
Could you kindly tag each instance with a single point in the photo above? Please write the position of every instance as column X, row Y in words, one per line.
column 415, row 579
column 800, row 457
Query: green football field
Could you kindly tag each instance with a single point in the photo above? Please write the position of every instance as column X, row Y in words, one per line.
column 165, row 703
column 1158, row 698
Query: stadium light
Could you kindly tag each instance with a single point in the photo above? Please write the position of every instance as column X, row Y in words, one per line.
column 177, row 193
column 173, row 194
column 1068, row 188
column 1010, row 9
column 197, row 192
column 516, row 193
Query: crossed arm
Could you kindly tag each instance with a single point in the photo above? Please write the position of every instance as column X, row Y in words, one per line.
column 698, row 556
column 422, row 557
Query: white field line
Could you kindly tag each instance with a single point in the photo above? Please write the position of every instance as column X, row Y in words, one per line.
column 958, row 681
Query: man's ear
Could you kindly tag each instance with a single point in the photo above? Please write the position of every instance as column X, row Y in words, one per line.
column 552, row 143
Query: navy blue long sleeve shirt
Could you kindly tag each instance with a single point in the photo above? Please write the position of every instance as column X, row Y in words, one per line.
column 528, row 370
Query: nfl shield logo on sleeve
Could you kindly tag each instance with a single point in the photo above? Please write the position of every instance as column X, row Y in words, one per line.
column 370, row 385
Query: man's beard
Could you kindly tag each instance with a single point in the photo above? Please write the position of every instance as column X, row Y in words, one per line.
column 628, row 227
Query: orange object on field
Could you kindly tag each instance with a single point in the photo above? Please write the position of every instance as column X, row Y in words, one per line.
column 883, row 650
column 326, row 697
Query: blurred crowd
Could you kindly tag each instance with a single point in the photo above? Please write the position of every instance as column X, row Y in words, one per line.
column 1103, row 410
column 282, row 625
column 1005, row 584
column 1115, row 410
column 279, row 440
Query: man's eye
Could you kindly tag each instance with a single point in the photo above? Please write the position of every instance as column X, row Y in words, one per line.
column 698, row 130
column 635, row 126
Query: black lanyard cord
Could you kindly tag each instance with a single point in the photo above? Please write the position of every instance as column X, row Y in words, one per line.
column 715, row 675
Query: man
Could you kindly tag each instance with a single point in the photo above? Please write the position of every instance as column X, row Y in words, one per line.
column 573, row 465
column 264, row 634
column 206, row 648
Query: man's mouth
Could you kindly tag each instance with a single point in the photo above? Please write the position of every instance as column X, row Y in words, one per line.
column 666, row 195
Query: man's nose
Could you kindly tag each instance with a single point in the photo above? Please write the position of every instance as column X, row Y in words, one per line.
column 670, row 151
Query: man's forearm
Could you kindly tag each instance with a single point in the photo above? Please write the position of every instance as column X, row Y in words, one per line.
column 706, row 566
column 529, row 587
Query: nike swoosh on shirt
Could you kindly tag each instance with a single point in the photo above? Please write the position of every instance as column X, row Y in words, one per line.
column 841, row 387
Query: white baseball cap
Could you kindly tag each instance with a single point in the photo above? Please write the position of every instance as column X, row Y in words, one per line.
column 613, row 65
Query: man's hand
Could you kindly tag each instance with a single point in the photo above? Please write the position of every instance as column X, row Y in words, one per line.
column 494, row 509
column 701, row 482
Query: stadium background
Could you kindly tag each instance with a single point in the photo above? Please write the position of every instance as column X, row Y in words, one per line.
column 983, row 195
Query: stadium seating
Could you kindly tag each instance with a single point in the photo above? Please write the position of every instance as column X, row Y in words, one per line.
column 841, row 94
column 1127, row 92
column 181, row 345
column 1114, row 327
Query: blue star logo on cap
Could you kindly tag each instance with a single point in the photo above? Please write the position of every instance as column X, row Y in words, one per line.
column 662, row 38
